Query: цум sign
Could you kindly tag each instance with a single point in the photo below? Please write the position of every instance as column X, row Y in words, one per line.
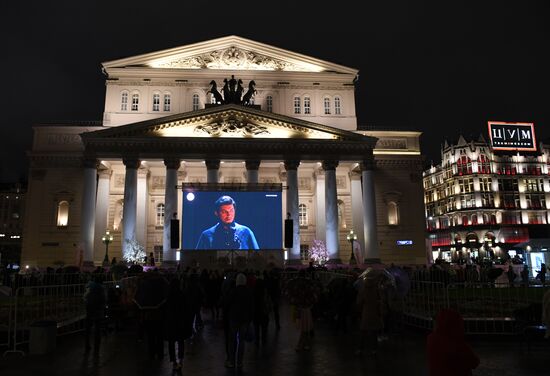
column 512, row 136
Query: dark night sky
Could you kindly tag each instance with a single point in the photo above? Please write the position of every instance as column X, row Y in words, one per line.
column 435, row 66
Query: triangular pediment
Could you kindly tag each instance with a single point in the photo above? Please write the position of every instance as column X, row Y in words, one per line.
column 226, row 122
column 229, row 53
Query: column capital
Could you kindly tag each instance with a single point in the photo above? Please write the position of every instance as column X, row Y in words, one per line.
column 253, row 164
column 131, row 162
column 172, row 163
column 104, row 173
column 182, row 175
column 355, row 175
column 90, row 162
column 212, row 164
column 292, row 164
column 368, row 164
column 330, row 164
column 142, row 172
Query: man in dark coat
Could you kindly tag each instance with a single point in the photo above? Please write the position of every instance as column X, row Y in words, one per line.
column 94, row 298
column 240, row 307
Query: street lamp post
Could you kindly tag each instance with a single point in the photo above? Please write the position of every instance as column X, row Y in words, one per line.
column 352, row 237
column 106, row 239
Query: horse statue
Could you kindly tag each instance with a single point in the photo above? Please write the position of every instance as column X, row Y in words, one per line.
column 239, row 92
column 251, row 91
column 215, row 92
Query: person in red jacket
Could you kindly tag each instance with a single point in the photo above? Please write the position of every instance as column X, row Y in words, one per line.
column 448, row 352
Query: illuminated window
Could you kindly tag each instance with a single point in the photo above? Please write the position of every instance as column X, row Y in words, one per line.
column 393, row 213
column 326, row 103
column 337, row 106
column 167, row 102
column 269, row 103
column 484, row 164
column 160, row 215
column 135, row 102
column 307, row 105
column 156, row 102
column 124, row 101
column 302, row 214
column 464, row 165
column 297, row 105
column 195, row 102
column 63, row 214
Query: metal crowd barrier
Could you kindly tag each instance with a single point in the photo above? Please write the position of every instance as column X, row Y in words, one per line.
column 6, row 320
column 487, row 308
column 60, row 303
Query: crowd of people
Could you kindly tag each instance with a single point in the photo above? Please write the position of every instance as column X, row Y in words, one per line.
column 171, row 308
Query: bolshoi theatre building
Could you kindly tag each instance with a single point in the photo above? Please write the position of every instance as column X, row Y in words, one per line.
column 231, row 111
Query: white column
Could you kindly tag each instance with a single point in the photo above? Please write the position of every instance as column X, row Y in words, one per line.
column 252, row 167
column 87, row 217
column 130, row 203
column 170, row 206
column 331, row 209
column 101, row 213
column 291, row 167
column 357, row 211
column 141, row 207
column 212, row 170
column 320, row 223
column 372, row 253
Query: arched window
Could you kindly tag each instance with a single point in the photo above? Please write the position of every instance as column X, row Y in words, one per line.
column 269, row 103
column 393, row 213
column 124, row 101
column 156, row 102
column 341, row 214
column 474, row 219
column 297, row 105
column 337, row 106
column 135, row 102
column 302, row 214
column 160, row 215
column 118, row 214
column 195, row 102
column 167, row 102
column 62, row 214
column 326, row 104
column 307, row 105
column 464, row 220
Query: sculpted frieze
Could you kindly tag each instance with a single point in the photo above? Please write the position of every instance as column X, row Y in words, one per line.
column 232, row 58
column 231, row 127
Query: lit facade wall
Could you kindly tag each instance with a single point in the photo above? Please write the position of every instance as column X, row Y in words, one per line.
column 480, row 203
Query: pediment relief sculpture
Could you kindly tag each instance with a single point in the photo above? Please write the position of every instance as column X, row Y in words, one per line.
column 231, row 127
column 232, row 58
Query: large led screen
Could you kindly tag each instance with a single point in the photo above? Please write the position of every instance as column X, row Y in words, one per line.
column 231, row 219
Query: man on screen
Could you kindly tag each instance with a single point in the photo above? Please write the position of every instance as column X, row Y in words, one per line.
column 227, row 234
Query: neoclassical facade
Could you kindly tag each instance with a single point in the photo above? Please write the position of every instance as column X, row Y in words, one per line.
column 163, row 126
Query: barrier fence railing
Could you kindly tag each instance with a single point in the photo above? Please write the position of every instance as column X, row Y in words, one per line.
column 6, row 320
column 487, row 308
